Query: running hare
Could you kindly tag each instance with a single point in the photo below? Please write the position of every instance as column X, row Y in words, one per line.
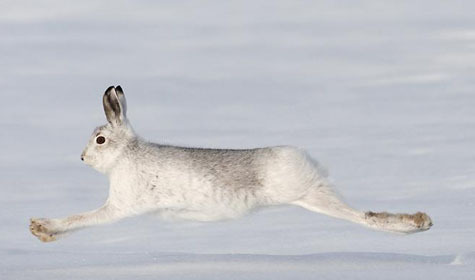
column 204, row 184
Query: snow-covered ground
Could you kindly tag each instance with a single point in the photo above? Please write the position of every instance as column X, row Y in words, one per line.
column 380, row 92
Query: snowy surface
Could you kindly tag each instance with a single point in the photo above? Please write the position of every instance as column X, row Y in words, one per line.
column 380, row 92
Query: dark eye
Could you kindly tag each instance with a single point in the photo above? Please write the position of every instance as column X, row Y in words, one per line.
column 100, row 140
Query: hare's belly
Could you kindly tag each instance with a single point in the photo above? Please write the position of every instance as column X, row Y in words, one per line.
column 206, row 213
column 209, row 206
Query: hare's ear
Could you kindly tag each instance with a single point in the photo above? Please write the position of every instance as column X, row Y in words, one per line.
column 123, row 102
column 115, row 114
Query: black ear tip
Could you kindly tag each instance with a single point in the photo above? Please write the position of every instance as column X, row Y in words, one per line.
column 118, row 88
column 109, row 89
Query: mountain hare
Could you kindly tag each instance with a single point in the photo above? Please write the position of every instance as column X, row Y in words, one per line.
column 204, row 184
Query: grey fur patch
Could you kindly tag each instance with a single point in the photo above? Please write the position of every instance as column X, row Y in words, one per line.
column 235, row 168
column 225, row 169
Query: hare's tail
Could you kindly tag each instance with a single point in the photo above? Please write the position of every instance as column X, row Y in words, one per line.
column 324, row 200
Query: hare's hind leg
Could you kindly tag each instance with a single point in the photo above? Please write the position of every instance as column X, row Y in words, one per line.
column 323, row 199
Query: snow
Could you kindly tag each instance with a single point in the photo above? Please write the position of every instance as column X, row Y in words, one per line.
column 382, row 93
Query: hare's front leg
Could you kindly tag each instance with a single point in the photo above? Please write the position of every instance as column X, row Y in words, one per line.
column 52, row 229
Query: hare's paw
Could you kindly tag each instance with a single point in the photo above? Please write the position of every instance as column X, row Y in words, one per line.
column 43, row 229
column 421, row 220
column 404, row 223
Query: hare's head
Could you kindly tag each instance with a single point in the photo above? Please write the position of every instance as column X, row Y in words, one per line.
column 107, row 142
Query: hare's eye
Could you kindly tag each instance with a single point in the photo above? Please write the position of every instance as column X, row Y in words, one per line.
column 100, row 140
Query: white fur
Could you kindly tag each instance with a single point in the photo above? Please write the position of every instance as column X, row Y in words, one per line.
column 205, row 185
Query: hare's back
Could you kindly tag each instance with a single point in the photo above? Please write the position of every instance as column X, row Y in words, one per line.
column 231, row 168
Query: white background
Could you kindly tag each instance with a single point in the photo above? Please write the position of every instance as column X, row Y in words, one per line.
column 380, row 92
